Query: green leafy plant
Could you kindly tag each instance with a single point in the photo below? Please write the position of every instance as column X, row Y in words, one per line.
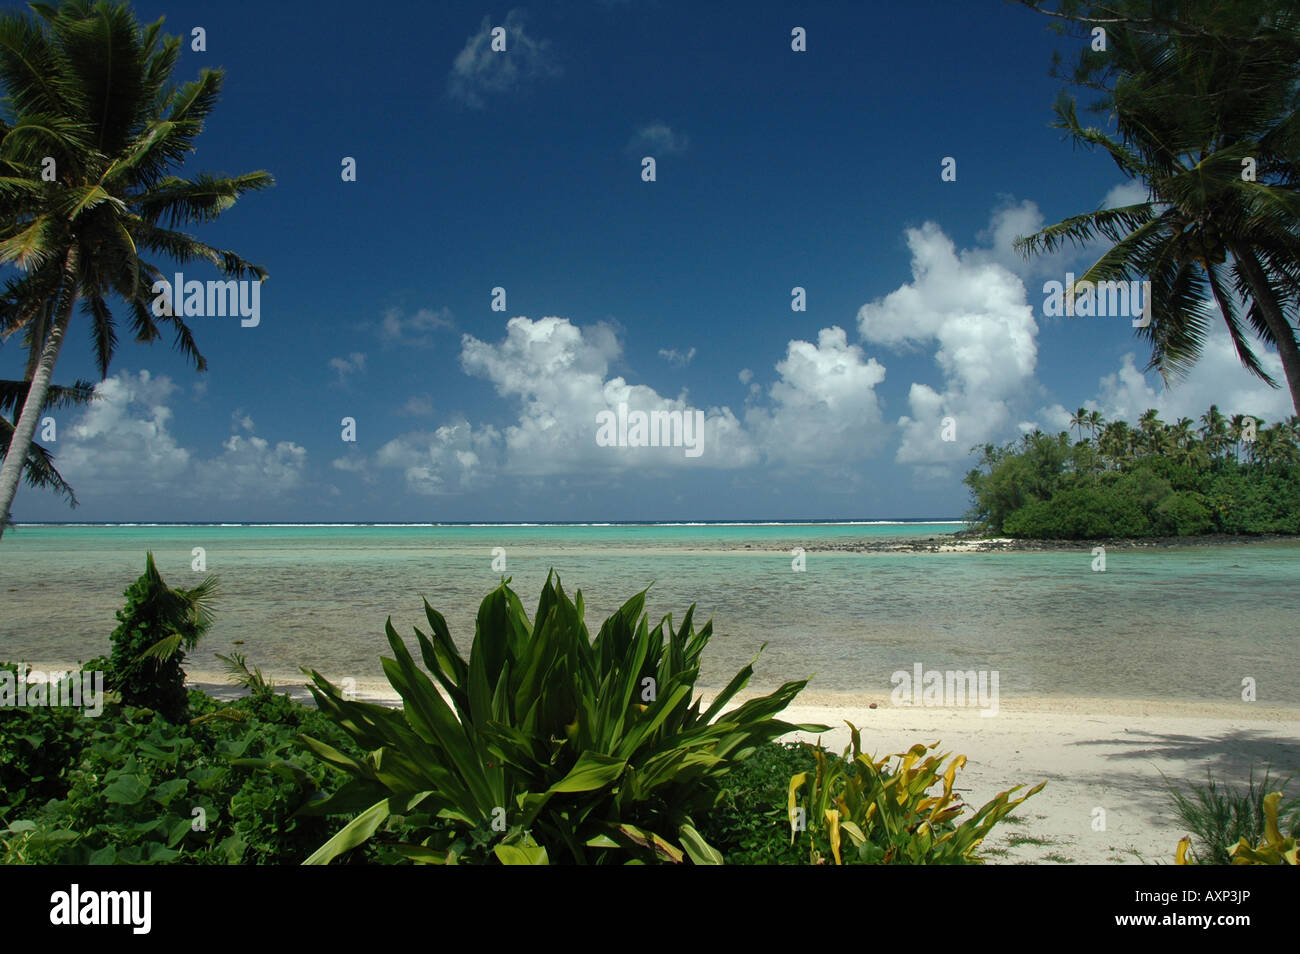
column 865, row 811
column 592, row 750
column 131, row 788
column 750, row 824
column 37, row 746
column 158, row 626
column 1273, row 848
column 1222, row 817
column 246, row 677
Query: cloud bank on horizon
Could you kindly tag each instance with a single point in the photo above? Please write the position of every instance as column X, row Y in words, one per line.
column 818, row 412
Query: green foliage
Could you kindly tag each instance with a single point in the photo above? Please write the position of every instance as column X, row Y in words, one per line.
column 37, row 745
column 1191, row 91
column 859, row 810
column 1081, row 513
column 1273, row 848
column 1221, row 818
column 1267, row 503
column 131, row 788
column 750, row 824
column 592, row 748
column 157, row 627
column 1153, row 480
column 1183, row 514
column 259, row 687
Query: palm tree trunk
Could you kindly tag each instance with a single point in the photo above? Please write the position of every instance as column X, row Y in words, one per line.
column 21, row 441
column 1283, row 333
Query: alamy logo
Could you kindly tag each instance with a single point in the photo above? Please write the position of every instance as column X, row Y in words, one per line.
column 1098, row 300
column 213, row 299
column 946, row 689
column 651, row 429
column 35, row 687
column 75, row 906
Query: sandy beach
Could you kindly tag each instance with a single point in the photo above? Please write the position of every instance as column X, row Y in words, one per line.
column 1113, row 755
column 1116, row 755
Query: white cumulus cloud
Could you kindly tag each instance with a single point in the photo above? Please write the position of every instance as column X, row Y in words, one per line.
column 558, row 374
column 974, row 312
column 446, row 460
column 824, row 406
column 1217, row 378
column 122, row 445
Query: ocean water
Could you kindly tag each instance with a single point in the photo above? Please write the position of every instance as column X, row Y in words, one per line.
column 1184, row 624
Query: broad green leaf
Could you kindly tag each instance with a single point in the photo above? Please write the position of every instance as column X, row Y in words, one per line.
column 521, row 854
column 592, row 771
column 126, row 790
column 353, row 834
column 701, row 852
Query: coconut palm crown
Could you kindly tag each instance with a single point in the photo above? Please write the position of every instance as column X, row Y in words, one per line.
column 1204, row 98
column 92, row 132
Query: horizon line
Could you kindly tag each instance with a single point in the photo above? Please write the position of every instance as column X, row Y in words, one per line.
column 901, row 521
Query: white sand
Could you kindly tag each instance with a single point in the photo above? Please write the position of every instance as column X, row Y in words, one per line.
column 1106, row 754
column 1093, row 753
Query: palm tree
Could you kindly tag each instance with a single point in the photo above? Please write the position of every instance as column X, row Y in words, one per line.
column 1236, row 430
column 92, row 90
column 1291, row 430
column 1149, row 427
column 1189, row 453
column 40, row 470
column 1214, row 431
column 1162, row 443
column 1192, row 99
column 1094, row 422
column 1078, row 420
column 1287, row 452
column 1265, row 449
column 1116, row 444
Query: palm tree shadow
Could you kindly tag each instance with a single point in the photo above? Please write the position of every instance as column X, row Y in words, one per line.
column 1229, row 756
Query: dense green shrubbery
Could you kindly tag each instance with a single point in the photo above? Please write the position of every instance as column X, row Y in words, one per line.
column 158, row 625
column 1268, row 503
column 1078, row 514
column 130, row 787
column 1155, row 482
column 878, row 813
column 37, row 745
column 750, row 824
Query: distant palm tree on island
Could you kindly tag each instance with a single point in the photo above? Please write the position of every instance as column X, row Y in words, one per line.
column 1204, row 95
column 1155, row 479
column 87, row 186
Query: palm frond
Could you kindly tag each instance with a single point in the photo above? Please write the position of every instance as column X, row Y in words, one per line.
column 1114, row 224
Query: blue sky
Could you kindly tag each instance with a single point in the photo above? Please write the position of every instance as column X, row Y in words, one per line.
column 523, row 170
